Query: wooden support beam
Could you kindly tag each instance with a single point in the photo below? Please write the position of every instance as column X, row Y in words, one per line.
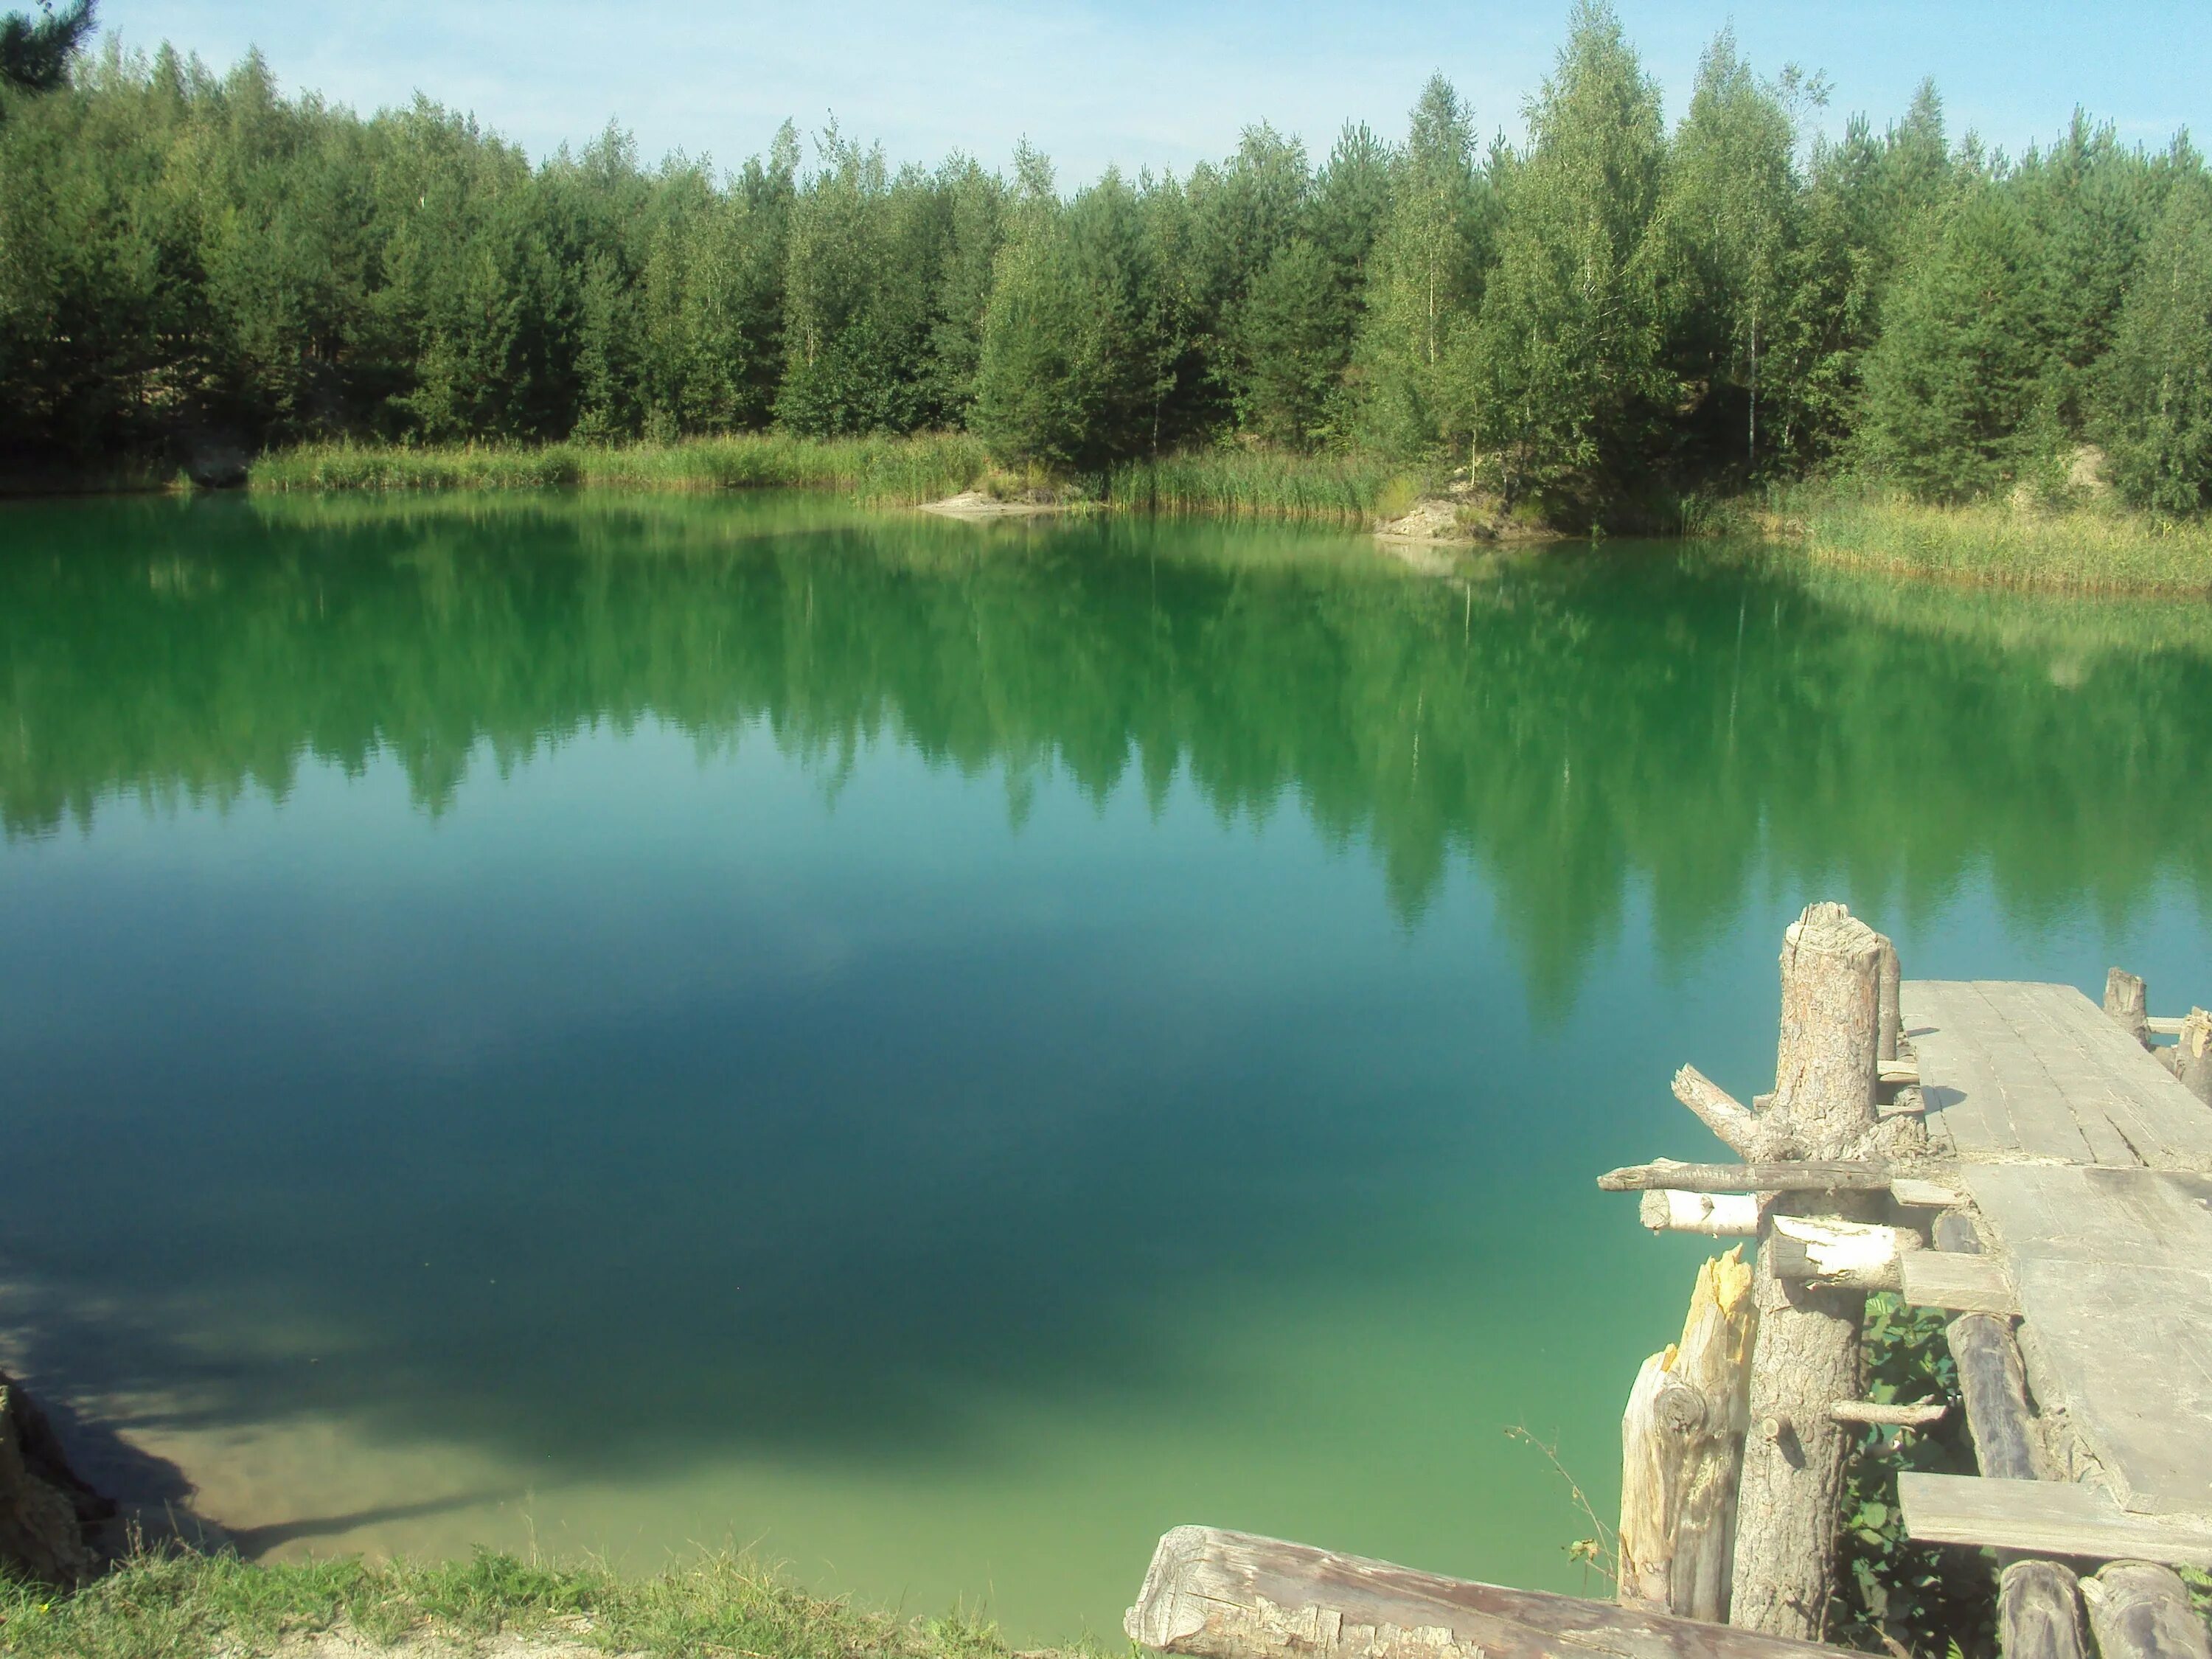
column 1994, row 1386
column 2044, row 1518
column 1716, row 1215
column 1962, row 1283
column 1681, row 1447
column 1808, row 1353
column 2039, row 1612
column 1742, row 1129
column 1833, row 1175
column 2140, row 1610
column 1214, row 1594
column 1823, row 1250
column 1888, row 1026
column 2164, row 1025
column 1896, row 1072
column 1885, row 1414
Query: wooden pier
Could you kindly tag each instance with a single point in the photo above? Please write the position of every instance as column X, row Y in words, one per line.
column 2038, row 1166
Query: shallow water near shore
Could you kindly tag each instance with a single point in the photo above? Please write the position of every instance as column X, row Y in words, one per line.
column 938, row 1051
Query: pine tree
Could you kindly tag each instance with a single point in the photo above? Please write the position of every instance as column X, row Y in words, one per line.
column 2155, row 391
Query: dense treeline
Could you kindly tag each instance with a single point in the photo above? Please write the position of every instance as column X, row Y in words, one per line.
column 1601, row 314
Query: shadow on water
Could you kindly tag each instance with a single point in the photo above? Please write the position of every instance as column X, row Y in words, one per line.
column 763, row 1214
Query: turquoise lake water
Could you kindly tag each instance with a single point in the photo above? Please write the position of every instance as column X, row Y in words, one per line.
column 937, row 1052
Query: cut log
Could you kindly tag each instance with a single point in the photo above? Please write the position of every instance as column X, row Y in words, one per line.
column 1681, row 1442
column 1885, row 1414
column 1822, row 1250
column 1807, row 1354
column 2190, row 1057
column 1827, row 1174
column 2140, row 1610
column 2126, row 1001
column 1959, row 1284
column 1926, row 1195
column 2039, row 1612
column 1716, row 1215
column 1215, row 1595
column 1994, row 1385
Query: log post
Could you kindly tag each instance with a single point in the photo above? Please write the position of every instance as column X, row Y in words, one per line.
column 2190, row 1057
column 2039, row 1613
column 2127, row 1001
column 1681, row 1441
column 1806, row 1356
column 1716, row 1215
column 2140, row 1610
column 1892, row 1026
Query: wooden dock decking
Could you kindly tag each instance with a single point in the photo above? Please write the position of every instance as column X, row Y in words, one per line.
column 2090, row 1169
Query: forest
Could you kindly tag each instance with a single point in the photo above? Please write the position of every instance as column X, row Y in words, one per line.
column 1600, row 313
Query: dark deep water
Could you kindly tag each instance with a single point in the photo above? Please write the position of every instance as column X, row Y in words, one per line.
column 941, row 1051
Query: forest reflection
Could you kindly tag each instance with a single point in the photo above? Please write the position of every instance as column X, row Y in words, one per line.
column 1577, row 724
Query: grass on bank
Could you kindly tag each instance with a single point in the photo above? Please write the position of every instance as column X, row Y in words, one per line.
column 887, row 470
column 162, row 1606
column 2088, row 547
column 1268, row 483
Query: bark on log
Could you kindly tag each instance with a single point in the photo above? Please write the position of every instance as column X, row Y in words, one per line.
column 1892, row 1025
column 1215, row 1595
column 1716, row 1215
column 1744, row 1131
column 2190, row 1057
column 2039, row 1612
column 1994, row 1384
column 2127, row 1001
column 1885, row 1414
column 1808, row 1353
column 1681, row 1442
column 1826, row 1175
column 2140, row 1610
column 1823, row 1250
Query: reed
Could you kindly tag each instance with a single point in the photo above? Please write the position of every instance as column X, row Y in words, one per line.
column 892, row 470
column 1347, row 488
column 2083, row 547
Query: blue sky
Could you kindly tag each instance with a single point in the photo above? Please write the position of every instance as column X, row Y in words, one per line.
column 1162, row 85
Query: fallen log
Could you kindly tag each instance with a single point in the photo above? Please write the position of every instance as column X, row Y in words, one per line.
column 1215, row 1595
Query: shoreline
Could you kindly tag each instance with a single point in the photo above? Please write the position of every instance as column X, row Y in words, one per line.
column 2081, row 548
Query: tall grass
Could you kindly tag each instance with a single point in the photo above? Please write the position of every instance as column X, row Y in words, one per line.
column 2091, row 547
column 892, row 470
column 157, row 1607
column 1266, row 483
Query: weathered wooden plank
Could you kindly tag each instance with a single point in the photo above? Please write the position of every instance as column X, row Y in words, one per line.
column 1216, row 1595
column 1963, row 1284
column 1926, row 1194
column 2164, row 1125
column 2164, row 1025
column 2044, row 1518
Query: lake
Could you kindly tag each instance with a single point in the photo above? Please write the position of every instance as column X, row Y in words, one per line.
column 936, row 1051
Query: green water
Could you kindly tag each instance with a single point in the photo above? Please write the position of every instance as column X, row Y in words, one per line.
column 939, row 1051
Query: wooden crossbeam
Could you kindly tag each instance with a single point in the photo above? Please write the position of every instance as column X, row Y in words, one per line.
column 1963, row 1284
column 2044, row 1518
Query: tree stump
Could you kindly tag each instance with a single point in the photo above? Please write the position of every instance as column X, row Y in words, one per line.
column 1681, row 1442
column 1806, row 1354
column 2127, row 1001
